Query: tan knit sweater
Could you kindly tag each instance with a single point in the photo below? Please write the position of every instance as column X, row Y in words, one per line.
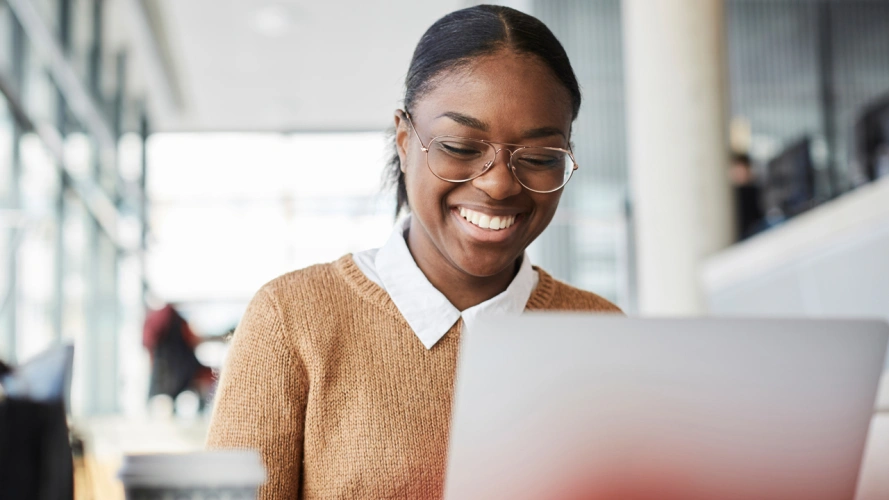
column 327, row 380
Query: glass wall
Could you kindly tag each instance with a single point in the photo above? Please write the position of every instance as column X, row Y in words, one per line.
column 231, row 211
column 67, row 235
column 6, row 37
column 807, row 69
column 9, row 219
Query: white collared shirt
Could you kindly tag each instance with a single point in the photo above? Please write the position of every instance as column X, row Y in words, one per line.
column 427, row 310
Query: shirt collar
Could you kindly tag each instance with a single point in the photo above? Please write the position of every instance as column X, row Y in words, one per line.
column 427, row 311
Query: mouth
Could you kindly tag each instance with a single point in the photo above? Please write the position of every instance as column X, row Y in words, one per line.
column 488, row 227
column 486, row 221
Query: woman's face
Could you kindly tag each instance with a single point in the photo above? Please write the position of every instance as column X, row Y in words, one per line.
column 501, row 98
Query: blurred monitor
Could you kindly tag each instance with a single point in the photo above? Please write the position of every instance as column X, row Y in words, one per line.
column 790, row 179
column 872, row 142
column 45, row 378
column 35, row 452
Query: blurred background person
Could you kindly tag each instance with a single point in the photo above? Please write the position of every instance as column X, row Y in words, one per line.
column 748, row 210
column 174, row 366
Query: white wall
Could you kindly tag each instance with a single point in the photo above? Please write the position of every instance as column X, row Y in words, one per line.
column 831, row 261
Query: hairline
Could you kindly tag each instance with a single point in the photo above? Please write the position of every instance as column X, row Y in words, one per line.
column 455, row 65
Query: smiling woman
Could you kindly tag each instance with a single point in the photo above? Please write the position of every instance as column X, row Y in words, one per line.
column 483, row 99
column 341, row 374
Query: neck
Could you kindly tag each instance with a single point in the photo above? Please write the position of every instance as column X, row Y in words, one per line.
column 463, row 290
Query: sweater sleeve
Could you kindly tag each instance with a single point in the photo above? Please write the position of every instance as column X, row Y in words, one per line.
column 261, row 398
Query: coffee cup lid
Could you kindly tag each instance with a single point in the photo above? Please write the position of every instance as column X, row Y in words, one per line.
column 223, row 468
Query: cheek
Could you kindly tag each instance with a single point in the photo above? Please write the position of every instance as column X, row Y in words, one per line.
column 412, row 178
column 424, row 190
column 546, row 205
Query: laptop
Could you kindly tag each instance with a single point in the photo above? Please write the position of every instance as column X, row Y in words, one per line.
column 579, row 406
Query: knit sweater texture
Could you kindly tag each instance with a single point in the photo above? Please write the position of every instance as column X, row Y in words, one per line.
column 326, row 379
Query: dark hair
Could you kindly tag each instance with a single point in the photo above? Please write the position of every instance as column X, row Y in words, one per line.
column 459, row 37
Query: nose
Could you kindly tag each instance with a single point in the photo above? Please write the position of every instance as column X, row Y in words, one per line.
column 498, row 182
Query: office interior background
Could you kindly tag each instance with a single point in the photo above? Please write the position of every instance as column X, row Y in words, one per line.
column 734, row 160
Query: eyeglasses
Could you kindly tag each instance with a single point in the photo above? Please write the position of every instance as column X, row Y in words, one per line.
column 460, row 159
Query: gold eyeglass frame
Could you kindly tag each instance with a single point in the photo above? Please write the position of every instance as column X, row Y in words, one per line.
column 512, row 169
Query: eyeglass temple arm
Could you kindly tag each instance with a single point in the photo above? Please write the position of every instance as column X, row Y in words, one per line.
column 411, row 122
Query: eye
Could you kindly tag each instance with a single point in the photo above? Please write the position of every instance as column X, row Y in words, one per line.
column 540, row 160
column 461, row 150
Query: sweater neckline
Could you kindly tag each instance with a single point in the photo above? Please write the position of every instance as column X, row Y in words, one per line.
column 367, row 289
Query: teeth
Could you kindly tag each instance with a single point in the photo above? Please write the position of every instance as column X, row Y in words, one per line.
column 485, row 221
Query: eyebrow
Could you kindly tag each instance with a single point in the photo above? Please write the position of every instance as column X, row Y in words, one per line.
column 465, row 120
column 537, row 133
column 468, row 121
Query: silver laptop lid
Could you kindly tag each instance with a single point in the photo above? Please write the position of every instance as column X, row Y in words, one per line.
column 561, row 406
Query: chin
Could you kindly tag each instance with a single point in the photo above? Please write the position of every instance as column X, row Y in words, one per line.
column 482, row 266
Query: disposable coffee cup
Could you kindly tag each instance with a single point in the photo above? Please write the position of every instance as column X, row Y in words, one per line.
column 206, row 475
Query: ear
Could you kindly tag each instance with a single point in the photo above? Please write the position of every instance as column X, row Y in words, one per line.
column 402, row 136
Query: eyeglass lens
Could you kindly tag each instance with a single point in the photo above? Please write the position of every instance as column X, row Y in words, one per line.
column 538, row 169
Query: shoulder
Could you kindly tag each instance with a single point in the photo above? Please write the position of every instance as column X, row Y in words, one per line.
column 293, row 308
column 272, row 307
column 323, row 293
column 563, row 297
column 312, row 276
column 317, row 285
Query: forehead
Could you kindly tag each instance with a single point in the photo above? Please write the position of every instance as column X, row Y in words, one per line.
column 506, row 90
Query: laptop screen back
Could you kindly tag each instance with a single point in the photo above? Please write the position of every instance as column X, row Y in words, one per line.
column 565, row 406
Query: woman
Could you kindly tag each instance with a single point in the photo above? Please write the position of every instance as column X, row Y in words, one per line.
column 341, row 374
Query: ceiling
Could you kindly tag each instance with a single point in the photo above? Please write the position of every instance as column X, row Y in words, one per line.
column 257, row 65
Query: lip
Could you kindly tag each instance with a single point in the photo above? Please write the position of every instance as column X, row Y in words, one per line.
column 488, row 235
